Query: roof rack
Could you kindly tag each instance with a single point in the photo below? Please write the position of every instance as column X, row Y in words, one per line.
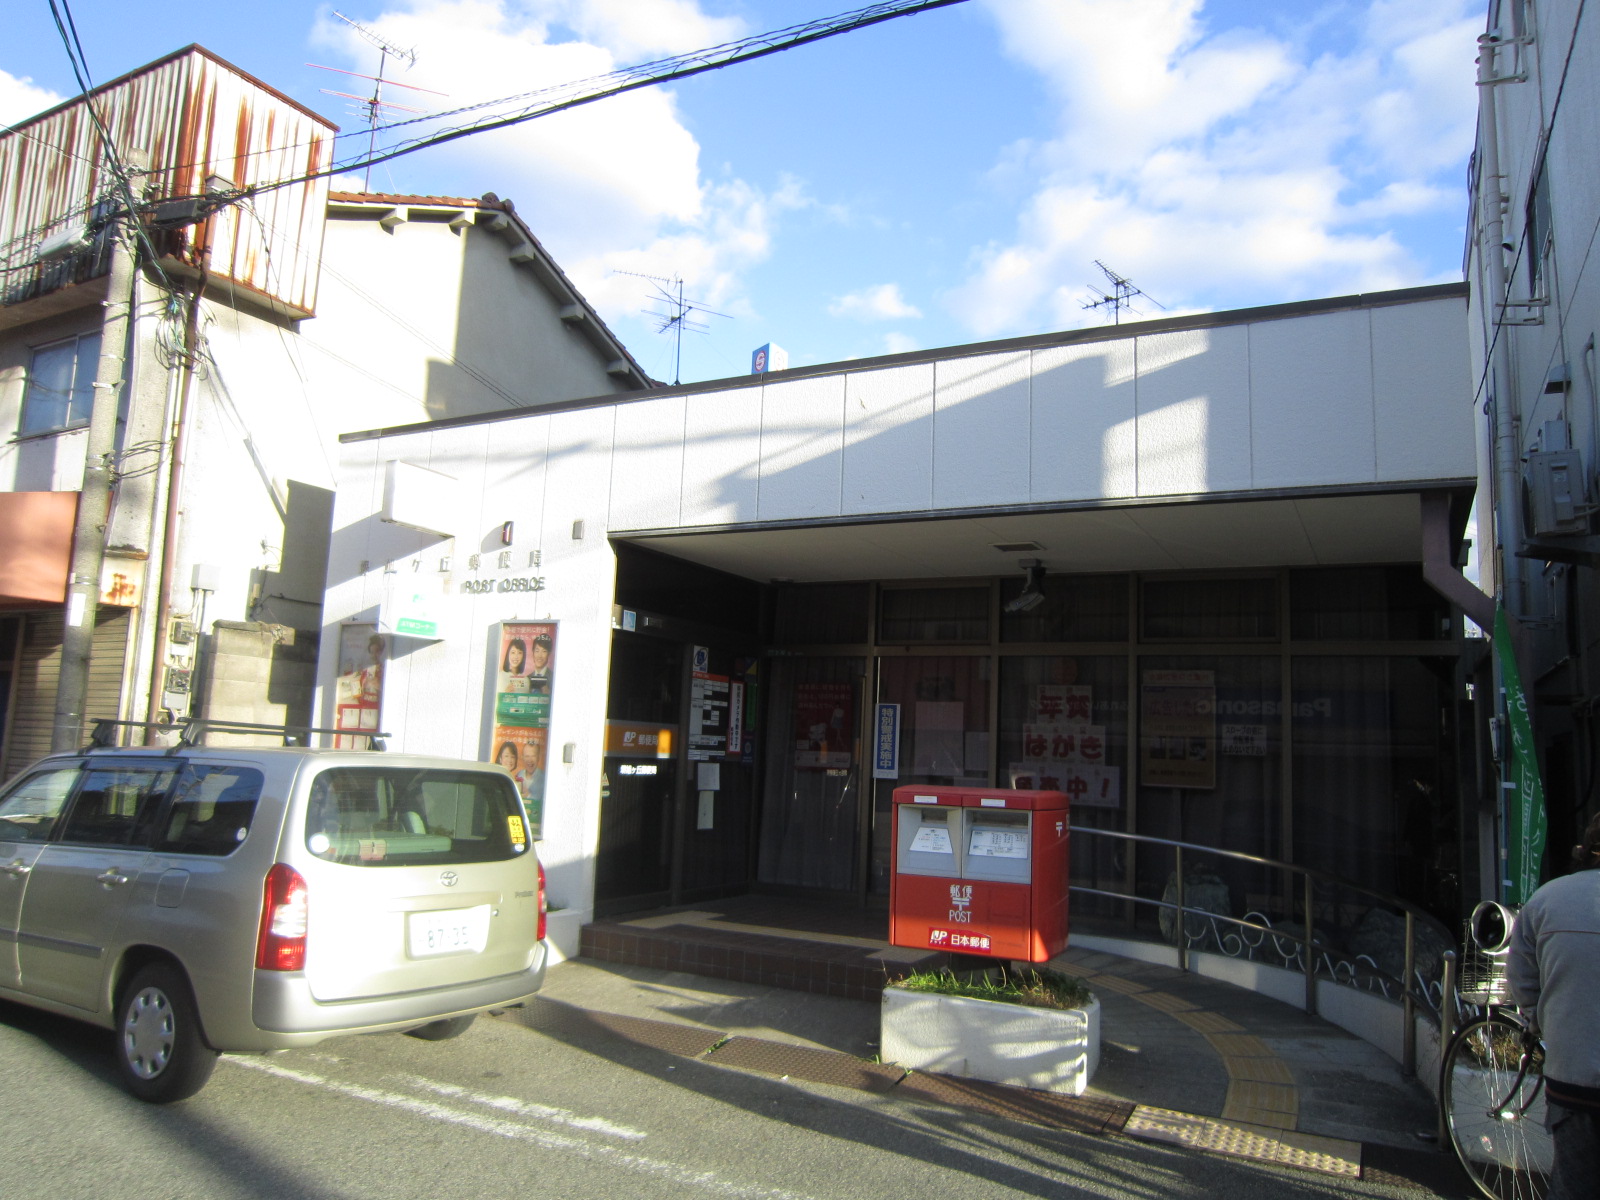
column 192, row 730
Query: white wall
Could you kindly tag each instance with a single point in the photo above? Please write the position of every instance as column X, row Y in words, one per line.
column 1350, row 397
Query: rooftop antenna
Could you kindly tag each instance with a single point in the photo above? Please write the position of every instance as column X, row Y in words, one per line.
column 674, row 314
column 375, row 103
column 1121, row 294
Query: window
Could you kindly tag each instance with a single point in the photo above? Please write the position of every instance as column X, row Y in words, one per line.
column 61, row 384
column 211, row 810
column 954, row 614
column 116, row 804
column 396, row 816
column 1210, row 609
column 1538, row 226
column 28, row 811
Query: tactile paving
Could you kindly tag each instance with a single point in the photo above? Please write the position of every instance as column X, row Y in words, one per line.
column 1081, row 1114
column 1208, row 1022
column 1258, row 1070
column 1331, row 1156
column 1166, row 1002
column 805, row 1062
column 1244, row 1045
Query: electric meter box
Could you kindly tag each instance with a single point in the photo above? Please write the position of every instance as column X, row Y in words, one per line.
column 979, row 871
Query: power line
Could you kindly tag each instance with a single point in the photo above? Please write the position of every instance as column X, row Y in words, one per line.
column 600, row 87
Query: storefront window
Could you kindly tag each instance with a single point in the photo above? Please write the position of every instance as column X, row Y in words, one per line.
column 823, row 614
column 1064, row 727
column 911, row 615
column 1365, row 603
column 1211, row 773
column 1210, row 610
column 944, row 733
column 1370, row 799
column 1076, row 608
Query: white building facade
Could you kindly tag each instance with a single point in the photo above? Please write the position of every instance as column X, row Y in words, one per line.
column 1252, row 517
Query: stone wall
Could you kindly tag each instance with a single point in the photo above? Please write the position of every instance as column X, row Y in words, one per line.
column 257, row 673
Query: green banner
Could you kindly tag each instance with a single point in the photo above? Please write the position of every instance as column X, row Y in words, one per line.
column 1525, row 819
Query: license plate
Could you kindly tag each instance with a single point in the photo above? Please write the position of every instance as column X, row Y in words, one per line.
column 450, row 931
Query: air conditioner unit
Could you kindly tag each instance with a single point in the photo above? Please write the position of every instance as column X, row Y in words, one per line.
column 1556, row 494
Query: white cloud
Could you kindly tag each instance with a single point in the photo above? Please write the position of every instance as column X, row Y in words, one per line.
column 21, row 98
column 610, row 186
column 1201, row 163
column 881, row 303
column 899, row 343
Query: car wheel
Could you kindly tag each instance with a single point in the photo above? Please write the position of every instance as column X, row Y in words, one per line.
column 160, row 1054
column 440, row 1031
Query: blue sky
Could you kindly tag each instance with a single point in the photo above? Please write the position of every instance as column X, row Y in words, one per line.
column 946, row 178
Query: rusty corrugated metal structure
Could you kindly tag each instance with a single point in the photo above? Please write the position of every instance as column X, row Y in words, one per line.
column 196, row 118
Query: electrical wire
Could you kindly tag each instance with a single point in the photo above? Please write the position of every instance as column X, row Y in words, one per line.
column 600, row 87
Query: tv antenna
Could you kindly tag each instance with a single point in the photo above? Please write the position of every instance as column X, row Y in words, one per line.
column 375, row 105
column 674, row 314
column 1121, row 294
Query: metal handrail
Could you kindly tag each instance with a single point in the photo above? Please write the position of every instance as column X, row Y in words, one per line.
column 1309, row 947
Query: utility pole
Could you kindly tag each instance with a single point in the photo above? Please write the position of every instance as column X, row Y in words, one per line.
column 94, row 500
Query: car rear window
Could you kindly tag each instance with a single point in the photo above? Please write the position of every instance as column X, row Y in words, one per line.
column 397, row 816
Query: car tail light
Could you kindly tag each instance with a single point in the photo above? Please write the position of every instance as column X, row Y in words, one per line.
column 541, row 902
column 281, row 944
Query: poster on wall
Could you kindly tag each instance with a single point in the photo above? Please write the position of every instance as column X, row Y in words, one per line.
column 523, row 679
column 1064, row 751
column 1178, row 729
column 708, row 716
column 358, row 690
column 824, row 724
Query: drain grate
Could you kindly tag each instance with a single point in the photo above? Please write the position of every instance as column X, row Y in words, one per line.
column 805, row 1062
column 1081, row 1114
column 1331, row 1156
column 552, row 1016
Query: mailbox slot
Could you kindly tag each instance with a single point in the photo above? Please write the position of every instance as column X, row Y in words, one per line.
column 930, row 841
column 998, row 845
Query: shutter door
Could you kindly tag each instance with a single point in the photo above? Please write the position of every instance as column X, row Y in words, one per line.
column 39, row 668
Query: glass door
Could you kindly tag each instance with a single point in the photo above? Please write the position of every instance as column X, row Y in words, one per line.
column 810, row 814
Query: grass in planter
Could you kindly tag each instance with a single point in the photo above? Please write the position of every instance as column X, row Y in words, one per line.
column 1031, row 988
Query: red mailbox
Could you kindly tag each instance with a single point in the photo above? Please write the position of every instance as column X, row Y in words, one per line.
column 979, row 871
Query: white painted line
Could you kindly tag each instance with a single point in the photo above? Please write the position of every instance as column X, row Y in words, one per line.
column 523, row 1108
column 658, row 1168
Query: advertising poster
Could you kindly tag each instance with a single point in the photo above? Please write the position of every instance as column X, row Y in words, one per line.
column 1063, row 751
column 524, row 677
column 824, row 725
column 1178, row 729
column 358, row 691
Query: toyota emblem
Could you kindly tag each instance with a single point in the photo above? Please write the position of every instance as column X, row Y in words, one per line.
column 448, row 878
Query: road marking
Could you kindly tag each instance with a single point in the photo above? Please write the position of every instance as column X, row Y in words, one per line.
column 523, row 1108
column 670, row 1171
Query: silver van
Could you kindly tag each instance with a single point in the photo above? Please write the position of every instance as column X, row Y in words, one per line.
column 202, row 900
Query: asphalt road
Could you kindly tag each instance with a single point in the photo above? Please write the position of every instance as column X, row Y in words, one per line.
column 508, row 1112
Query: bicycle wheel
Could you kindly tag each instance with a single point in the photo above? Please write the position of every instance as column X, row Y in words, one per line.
column 1494, row 1107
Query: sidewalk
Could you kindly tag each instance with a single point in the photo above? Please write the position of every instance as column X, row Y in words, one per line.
column 1184, row 1060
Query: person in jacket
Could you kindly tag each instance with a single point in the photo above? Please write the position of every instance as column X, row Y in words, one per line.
column 1555, row 973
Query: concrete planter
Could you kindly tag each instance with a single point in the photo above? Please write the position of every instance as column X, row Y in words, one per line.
column 563, row 931
column 1051, row 1049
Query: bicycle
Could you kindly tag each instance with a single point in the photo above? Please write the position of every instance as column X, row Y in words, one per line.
column 1492, row 1082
